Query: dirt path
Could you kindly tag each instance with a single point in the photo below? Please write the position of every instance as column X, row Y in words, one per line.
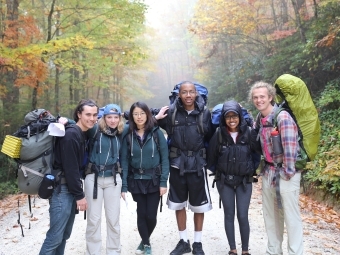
column 321, row 229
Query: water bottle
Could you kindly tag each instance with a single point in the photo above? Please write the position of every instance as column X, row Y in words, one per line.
column 47, row 186
column 50, row 177
column 277, row 146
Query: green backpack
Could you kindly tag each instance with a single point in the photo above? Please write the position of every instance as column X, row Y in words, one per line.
column 294, row 97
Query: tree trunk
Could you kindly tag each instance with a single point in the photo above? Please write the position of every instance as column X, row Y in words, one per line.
column 71, row 86
column 298, row 21
column 11, row 99
column 276, row 23
column 2, row 21
column 56, row 89
column 57, row 67
column 76, row 79
column 315, row 9
column 284, row 12
column 35, row 96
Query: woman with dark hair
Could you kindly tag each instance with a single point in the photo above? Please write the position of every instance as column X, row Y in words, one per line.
column 145, row 166
column 230, row 150
column 103, row 182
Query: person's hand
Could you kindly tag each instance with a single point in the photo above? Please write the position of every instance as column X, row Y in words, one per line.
column 162, row 113
column 123, row 195
column 63, row 120
column 162, row 191
column 82, row 204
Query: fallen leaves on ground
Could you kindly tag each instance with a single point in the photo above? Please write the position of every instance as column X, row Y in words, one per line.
column 10, row 203
column 316, row 212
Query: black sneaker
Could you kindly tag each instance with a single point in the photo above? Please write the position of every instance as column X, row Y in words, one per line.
column 197, row 248
column 181, row 248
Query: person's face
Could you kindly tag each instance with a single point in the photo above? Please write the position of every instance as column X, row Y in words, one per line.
column 261, row 100
column 232, row 120
column 112, row 120
column 88, row 117
column 188, row 95
column 139, row 117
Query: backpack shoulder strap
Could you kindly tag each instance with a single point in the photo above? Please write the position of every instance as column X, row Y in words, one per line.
column 200, row 121
column 278, row 110
column 220, row 140
column 156, row 139
column 173, row 110
column 92, row 140
column 128, row 140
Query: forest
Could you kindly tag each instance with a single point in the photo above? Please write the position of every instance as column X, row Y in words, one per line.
column 54, row 53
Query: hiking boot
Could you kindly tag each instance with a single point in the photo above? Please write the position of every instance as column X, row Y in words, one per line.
column 197, row 248
column 147, row 250
column 181, row 248
column 140, row 248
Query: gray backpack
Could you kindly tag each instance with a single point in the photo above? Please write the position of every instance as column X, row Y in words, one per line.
column 36, row 151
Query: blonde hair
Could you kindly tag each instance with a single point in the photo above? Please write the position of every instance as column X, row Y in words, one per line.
column 261, row 84
column 103, row 126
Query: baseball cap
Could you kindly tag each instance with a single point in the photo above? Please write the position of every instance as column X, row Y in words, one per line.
column 109, row 109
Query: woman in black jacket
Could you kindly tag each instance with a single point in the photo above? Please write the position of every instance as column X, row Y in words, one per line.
column 230, row 152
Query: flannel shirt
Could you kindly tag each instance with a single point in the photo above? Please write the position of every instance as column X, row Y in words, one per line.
column 288, row 131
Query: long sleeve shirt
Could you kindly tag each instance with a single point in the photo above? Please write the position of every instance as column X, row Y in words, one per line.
column 288, row 131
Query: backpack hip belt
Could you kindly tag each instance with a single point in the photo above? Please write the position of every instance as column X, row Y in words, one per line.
column 176, row 152
column 245, row 179
column 199, row 155
column 100, row 170
column 155, row 172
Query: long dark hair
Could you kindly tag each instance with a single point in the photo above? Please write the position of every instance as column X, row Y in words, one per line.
column 80, row 107
column 150, row 121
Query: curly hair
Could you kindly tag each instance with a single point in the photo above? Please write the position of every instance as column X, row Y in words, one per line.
column 261, row 84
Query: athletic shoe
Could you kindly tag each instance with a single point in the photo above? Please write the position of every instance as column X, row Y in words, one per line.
column 181, row 248
column 147, row 250
column 197, row 248
column 140, row 248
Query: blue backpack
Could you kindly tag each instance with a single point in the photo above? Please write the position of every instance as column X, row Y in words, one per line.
column 100, row 112
column 201, row 89
column 215, row 120
column 216, row 114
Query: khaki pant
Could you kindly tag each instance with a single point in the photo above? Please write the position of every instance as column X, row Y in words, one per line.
column 275, row 218
column 110, row 194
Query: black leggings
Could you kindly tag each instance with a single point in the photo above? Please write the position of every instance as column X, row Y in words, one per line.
column 147, row 205
column 243, row 195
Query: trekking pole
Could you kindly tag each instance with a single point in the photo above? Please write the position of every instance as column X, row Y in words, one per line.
column 22, row 231
column 161, row 204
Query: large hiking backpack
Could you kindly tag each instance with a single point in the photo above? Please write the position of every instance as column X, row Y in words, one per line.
column 36, row 150
column 293, row 96
column 202, row 91
column 34, row 156
column 216, row 115
column 215, row 120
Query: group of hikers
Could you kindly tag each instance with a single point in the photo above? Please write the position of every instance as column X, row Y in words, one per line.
column 137, row 158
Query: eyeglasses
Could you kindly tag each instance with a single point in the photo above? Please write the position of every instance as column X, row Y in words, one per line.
column 232, row 117
column 141, row 114
column 191, row 92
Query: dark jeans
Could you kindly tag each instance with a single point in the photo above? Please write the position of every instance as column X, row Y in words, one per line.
column 242, row 194
column 147, row 205
column 62, row 214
